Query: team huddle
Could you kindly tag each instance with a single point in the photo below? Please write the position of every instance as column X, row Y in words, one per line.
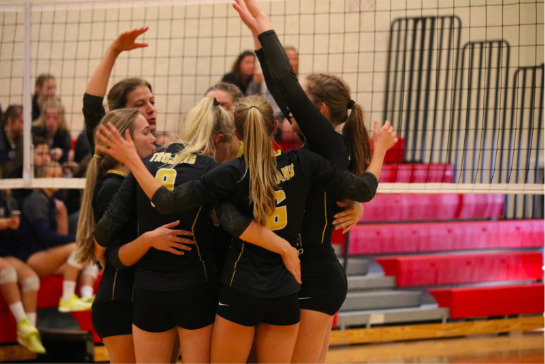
column 218, row 245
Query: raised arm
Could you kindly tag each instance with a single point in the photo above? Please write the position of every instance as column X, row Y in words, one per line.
column 319, row 134
column 93, row 110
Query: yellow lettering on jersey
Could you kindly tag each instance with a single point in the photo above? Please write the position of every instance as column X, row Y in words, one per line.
column 166, row 158
column 157, row 157
column 286, row 174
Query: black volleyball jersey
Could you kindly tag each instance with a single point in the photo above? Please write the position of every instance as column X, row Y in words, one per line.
column 248, row 267
column 158, row 269
column 319, row 135
column 117, row 281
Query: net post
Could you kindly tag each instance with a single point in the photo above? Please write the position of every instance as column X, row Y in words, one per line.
column 27, row 99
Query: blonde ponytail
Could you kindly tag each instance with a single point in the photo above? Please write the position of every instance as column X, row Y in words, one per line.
column 201, row 124
column 254, row 120
column 99, row 165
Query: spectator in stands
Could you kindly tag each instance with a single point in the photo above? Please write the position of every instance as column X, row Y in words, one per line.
column 47, row 247
column 52, row 125
column 22, row 303
column 242, row 74
column 45, row 88
column 41, row 156
column 227, row 94
column 11, row 139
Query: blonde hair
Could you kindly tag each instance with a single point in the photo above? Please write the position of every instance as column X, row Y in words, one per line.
column 254, row 121
column 122, row 119
column 202, row 123
column 52, row 103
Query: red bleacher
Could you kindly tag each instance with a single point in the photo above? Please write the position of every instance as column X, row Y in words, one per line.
column 427, row 270
column 491, row 301
column 417, row 173
column 414, row 207
column 48, row 296
column 394, row 154
column 445, row 236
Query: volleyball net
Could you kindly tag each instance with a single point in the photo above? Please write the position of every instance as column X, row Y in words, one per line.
column 461, row 81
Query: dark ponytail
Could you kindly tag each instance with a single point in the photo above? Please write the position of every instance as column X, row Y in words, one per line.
column 335, row 93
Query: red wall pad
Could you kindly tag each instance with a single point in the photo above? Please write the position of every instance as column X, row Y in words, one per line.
column 491, row 301
column 411, row 207
column 428, row 270
column 446, row 236
column 8, row 327
column 394, row 154
column 417, row 173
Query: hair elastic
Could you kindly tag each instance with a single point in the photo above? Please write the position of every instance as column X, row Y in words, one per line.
column 350, row 104
column 216, row 103
column 252, row 107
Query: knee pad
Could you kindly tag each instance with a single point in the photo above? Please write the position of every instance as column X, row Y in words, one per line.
column 8, row 275
column 90, row 270
column 72, row 261
column 31, row 284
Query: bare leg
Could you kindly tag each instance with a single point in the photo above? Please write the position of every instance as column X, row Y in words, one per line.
column 196, row 344
column 231, row 342
column 153, row 347
column 274, row 344
column 313, row 328
column 48, row 262
column 29, row 298
column 325, row 345
column 120, row 348
column 10, row 291
column 175, row 349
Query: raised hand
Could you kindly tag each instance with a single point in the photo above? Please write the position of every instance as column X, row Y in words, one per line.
column 384, row 137
column 127, row 41
column 245, row 15
column 123, row 150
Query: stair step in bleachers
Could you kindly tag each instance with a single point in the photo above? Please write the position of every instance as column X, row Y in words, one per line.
column 445, row 236
column 391, row 316
column 357, row 301
column 356, row 266
column 417, row 173
column 415, row 207
column 427, row 270
column 372, row 281
column 491, row 301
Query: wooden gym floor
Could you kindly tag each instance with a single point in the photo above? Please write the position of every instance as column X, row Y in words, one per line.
column 510, row 348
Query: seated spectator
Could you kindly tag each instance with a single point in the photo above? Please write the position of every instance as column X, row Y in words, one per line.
column 52, row 125
column 47, row 247
column 242, row 74
column 11, row 139
column 41, row 157
column 22, row 303
column 227, row 94
column 45, row 88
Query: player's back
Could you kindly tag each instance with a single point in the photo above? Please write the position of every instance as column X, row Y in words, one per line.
column 160, row 270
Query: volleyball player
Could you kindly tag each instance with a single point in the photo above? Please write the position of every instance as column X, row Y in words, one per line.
column 179, row 293
column 324, row 286
column 257, row 292
column 112, row 308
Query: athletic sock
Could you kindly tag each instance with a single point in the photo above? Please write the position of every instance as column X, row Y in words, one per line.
column 18, row 311
column 68, row 289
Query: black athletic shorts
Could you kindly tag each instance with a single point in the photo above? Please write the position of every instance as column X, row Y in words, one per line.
column 247, row 310
column 189, row 308
column 112, row 318
column 324, row 286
